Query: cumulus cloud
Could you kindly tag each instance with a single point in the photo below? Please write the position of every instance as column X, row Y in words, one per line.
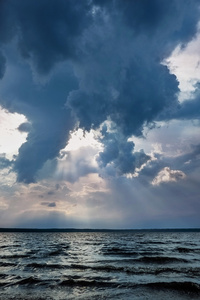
column 46, row 31
column 105, row 60
column 167, row 175
column 119, row 153
column 45, row 110
column 4, row 162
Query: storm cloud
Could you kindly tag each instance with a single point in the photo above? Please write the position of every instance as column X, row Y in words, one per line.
column 74, row 64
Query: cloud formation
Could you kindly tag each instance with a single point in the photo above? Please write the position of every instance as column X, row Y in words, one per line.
column 46, row 31
column 167, row 175
column 119, row 153
column 4, row 162
column 112, row 70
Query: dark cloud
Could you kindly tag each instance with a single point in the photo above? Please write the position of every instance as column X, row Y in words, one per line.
column 124, row 81
column 168, row 23
column 43, row 142
column 190, row 161
column 2, row 65
column 50, row 193
column 189, row 109
column 119, row 152
column 111, row 54
column 49, row 204
column 44, row 107
column 4, row 162
column 24, row 127
column 46, row 30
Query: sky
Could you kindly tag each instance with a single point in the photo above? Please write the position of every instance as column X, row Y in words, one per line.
column 100, row 114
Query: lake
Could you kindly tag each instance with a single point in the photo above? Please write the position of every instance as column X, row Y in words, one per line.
column 100, row 265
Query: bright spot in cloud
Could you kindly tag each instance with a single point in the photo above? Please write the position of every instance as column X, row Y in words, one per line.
column 79, row 139
column 10, row 137
column 185, row 64
column 78, row 158
column 168, row 175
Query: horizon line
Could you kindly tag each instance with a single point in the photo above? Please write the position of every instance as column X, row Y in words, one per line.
column 72, row 229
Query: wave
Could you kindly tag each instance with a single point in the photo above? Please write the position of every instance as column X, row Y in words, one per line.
column 55, row 252
column 192, row 272
column 29, row 280
column 185, row 286
column 184, row 250
column 118, row 251
column 187, row 250
column 87, row 283
column 7, row 264
column 151, row 243
column 14, row 256
column 45, row 266
column 10, row 246
column 160, row 259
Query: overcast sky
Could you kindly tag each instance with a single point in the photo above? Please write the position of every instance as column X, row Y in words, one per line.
column 99, row 113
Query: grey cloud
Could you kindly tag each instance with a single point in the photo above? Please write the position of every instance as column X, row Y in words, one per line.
column 4, row 162
column 169, row 22
column 115, row 54
column 43, row 143
column 50, row 193
column 120, row 80
column 189, row 162
column 49, row 204
column 7, row 21
column 186, row 164
column 24, row 127
column 186, row 110
column 119, row 152
column 2, row 65
column 124, row 81
column 44, row 219
column 76, row 164
column 46, row 30
column 57, row 186
column 44, row 107
column 189, row 109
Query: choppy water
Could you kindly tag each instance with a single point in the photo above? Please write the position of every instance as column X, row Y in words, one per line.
column 100, row 265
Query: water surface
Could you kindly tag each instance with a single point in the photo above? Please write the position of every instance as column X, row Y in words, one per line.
column 100, row 265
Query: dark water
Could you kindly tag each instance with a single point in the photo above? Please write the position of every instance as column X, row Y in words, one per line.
column 100, row 265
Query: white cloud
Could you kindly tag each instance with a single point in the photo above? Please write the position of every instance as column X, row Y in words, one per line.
column 79, row 139
column 170, row 139
column 185, row 64
column 168, row 175
column 10, row 137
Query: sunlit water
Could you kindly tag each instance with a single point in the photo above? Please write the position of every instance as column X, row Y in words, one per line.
column 100, row 265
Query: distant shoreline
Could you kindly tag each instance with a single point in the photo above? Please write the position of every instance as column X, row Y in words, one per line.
column 98, row 230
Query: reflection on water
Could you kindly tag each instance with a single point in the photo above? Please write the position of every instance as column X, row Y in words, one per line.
column 100, row 265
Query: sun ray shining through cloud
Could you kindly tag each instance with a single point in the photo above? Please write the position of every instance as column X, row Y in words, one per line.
column 11, row 137
column 99, row 113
